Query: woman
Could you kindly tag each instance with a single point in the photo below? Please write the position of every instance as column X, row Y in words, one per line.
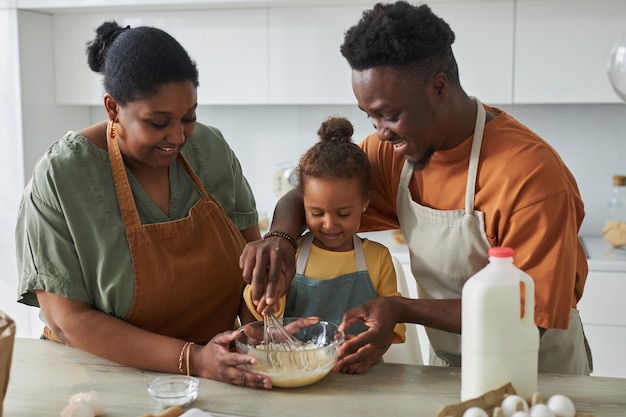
column 130, row 230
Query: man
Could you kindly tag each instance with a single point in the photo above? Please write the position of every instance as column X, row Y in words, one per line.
column 457, row 177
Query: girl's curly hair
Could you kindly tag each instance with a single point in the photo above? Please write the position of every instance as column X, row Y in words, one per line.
column 336, row 156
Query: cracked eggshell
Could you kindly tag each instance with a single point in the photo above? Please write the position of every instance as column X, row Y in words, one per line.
column 93, row 398
column 78, row 408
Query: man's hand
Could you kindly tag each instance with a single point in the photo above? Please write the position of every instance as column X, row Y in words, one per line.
column 268, row 266
column 360, row 352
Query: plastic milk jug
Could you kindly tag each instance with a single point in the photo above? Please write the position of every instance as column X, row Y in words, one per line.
column 499, row 345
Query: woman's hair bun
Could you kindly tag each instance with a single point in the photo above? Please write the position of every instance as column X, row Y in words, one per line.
column 106, row 33
column 336, row 128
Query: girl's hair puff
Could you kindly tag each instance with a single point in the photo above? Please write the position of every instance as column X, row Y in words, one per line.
column 335, row 156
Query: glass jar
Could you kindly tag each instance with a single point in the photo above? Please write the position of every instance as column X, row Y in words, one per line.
column 617, row 200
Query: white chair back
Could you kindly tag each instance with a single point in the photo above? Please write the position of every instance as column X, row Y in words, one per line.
column 408, row 352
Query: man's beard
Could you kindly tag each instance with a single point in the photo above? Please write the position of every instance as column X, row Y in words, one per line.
column 423, row 161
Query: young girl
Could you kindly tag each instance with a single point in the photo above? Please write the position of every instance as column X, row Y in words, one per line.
column 336, row 270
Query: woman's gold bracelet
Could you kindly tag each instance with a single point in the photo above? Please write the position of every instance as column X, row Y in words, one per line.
column 184, row 352
column 188, row 355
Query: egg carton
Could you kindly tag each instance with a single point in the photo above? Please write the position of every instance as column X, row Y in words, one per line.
column 490, row 402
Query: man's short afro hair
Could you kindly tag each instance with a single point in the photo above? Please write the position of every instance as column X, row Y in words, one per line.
column 397, row 34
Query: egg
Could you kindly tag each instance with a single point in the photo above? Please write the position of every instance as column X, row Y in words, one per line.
column 561, row 405
column 510, row 405
column 475, row 412
column 541, row 410
column 520, row 414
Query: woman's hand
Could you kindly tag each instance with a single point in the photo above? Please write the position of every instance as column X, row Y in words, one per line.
column 216, row 361
column 359, row 352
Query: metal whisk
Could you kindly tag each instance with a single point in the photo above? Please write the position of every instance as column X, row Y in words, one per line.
column 276, row 336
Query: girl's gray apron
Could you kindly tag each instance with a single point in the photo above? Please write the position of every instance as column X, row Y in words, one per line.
column 329, row 299
column 449, row 246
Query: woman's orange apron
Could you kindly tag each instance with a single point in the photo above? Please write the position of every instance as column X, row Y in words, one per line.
column 188, row 283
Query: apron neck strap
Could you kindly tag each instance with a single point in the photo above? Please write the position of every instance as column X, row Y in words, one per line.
column 477, row 140
column 479, row 129
column 122, row 186
column 120, row 179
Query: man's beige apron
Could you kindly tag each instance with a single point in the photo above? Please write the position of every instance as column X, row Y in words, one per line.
column 188, row 283
column 448, row 247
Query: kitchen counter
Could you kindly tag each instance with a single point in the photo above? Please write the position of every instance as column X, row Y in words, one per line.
column 602, row 256
column 44, row 374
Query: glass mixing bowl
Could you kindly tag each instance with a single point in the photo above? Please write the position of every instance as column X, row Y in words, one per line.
column 296, row 365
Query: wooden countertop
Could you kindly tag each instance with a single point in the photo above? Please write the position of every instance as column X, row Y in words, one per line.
column 44, row 374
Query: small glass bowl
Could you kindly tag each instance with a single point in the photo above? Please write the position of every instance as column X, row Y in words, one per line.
column 176, row 390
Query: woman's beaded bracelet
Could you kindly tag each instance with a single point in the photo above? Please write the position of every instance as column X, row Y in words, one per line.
column 284, row 235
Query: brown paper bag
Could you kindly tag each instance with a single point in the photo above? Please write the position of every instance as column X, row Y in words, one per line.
column 487, row 402
column 615, row 233
column 7, row 336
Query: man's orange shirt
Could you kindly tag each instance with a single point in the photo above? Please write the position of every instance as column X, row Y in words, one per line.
column 529, row 197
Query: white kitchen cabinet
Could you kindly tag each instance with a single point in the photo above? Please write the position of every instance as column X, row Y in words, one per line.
column 230, row 47
column 287, row 51
column 483, row 47
column 284, row 55
column 51, row 5
column 74, row 83
column 306, row 66
column 562, row 49
column 231, row 50
column 78, row 5
column 603, row 313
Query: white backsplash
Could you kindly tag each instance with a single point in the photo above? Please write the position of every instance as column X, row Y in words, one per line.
column 591, row 139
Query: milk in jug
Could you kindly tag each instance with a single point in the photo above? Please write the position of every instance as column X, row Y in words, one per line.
column 498, row 346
